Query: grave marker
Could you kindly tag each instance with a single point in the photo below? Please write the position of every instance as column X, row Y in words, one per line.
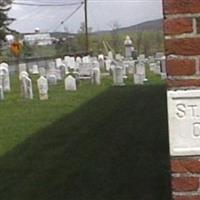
column 70, row 83
column 42, row 84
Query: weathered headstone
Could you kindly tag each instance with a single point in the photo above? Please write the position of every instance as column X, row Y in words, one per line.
column 140, row 69
column 70, row 83
column 52, row 79
column 110, row 55
column 42, row 84
column 72, row 63
column 85, row 70
column 26, row 87
column 42, row 71
column 138, row 79
column 35, row 69
column 118, row 57
column 22, row 67
column 108, row 64
column 59, row 62
column 5, row 78
column 157, row 68
column 3, row 64
column 23, row 73
column 139, row 75
column 101, row 61
column 96, row 76
column 62, row 71
column 118, row 76
column 86, row 59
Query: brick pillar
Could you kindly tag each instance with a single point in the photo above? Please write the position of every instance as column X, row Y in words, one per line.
column 182, row 49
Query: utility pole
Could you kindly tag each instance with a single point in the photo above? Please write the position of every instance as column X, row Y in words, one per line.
column 86, row 29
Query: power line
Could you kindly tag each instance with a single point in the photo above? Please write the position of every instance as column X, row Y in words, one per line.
column 29, row 15
column 45, row 4
column 69, row 16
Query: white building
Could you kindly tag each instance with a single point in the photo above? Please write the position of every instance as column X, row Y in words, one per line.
column 40, row 39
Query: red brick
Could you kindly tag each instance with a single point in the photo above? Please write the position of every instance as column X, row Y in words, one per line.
column 189, row 46
column 183, row 83
column 185, row 165
column 177, row 167
column 181, row 6
column 195, row 197
column 184, row 184
column 181, row 67
column 178, row 26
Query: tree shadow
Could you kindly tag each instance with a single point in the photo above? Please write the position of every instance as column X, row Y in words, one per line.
column 113, row 147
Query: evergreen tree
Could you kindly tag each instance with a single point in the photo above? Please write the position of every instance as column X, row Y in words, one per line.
column 5, row 6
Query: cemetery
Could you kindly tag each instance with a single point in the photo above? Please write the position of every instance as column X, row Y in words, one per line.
column 101, row 117
column 41, row 108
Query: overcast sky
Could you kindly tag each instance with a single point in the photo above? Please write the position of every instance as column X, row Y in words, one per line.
column 101, row 14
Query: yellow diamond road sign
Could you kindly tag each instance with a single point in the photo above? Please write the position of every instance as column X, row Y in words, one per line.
column 16, row 48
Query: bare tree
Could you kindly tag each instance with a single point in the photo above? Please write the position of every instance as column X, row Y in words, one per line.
column 116, row 44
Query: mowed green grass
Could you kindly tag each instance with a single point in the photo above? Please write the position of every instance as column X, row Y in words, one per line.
column 99, row 143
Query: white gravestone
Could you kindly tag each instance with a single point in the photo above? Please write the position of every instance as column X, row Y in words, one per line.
column 139, row 75
column 110, row 55
column 26, row 88
column 152, row 66
column 100, row 57
column 138, row 79
column 23, row 73
column 108, row 64
column 52, row 79
column 118, row 76
column 5, row 79
column 42, row 71
column 66, row 62
column 85, row 70
column 86, row 59
column 22, row 67
column 96, row 76
column 35, row 69
column 3, row 64
column 59, row 62
column 96, row 64
column 58, row 73
column 71, row 63
column 157, row 68
column 78, row 59
column 140, row 69
column 101, row 61
column 42, row 84
column 184, row 122
column 62, row 71
column 70, row 83
column 78, row 62
column 1, row 93
column 53, row 74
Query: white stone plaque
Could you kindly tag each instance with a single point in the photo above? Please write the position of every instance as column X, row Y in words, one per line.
column 184, row 122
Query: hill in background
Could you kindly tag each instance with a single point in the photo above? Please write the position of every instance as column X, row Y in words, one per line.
column 153, row 25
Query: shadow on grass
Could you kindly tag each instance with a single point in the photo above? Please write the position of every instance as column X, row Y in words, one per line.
column 115, row 147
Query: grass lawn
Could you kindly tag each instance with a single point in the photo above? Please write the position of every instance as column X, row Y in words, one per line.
column 99, row 143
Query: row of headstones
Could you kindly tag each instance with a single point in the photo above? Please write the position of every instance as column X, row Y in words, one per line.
column 26, row 83
column 60, row 67
column 70, row 82
column 120, row 72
